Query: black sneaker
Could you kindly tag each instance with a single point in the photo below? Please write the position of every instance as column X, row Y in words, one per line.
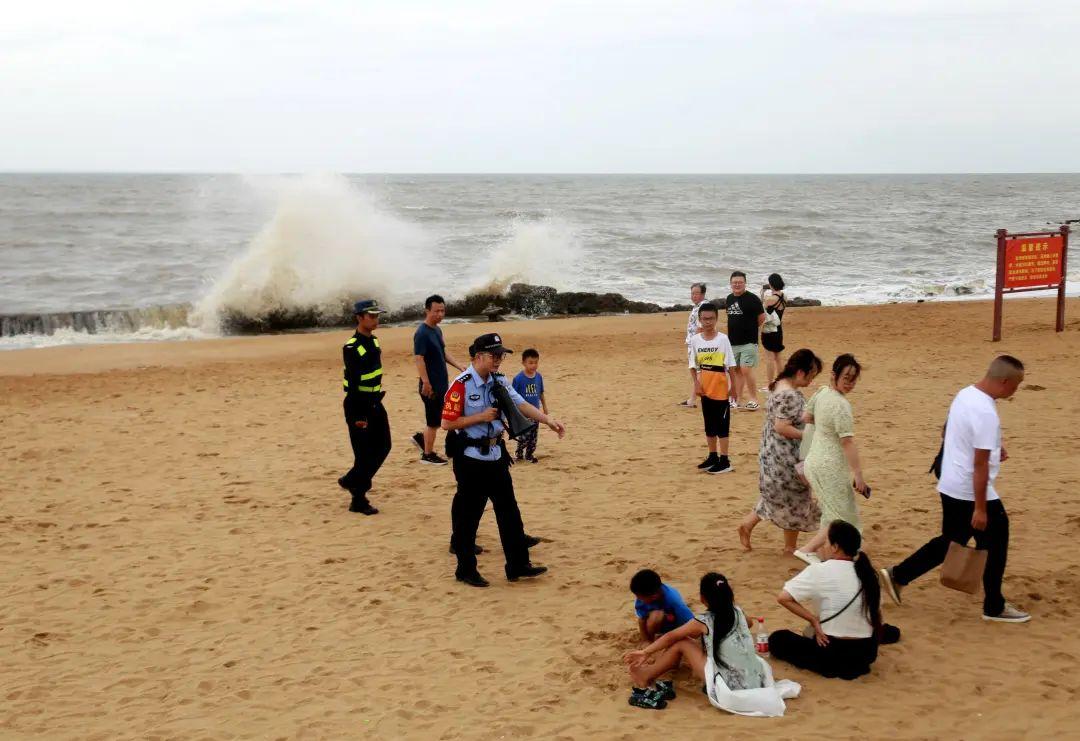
column 363, row 506
column 477, row 549
column 532, row 459
column 526, row 571
column 709, row 462
column 418, row 441
column 433, row 459
column 473, row 580
column 647, row 699
column 666, row 689
column 721, row 466
column 531, row 540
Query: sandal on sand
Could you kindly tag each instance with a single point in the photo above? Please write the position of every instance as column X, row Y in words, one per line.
column 686, row 404
column 666, row 689
column 647, row 699
column 751, row 406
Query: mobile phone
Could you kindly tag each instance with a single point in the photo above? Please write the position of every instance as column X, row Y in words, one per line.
column 865, row 494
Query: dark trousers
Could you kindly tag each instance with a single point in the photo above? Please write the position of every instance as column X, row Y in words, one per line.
column 478, row 481
column 526, row 444
column 370, row 446
column 956, row 526
column 846, row 658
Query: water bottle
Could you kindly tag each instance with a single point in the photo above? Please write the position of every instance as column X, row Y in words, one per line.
column 761, row 643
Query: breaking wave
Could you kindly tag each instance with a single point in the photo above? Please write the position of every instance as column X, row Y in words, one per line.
column 327, row 244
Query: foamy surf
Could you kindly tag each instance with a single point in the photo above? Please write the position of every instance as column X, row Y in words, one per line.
column 68, row 336
column 326, row 244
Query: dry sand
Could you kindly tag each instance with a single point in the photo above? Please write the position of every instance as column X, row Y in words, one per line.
column 177, row 561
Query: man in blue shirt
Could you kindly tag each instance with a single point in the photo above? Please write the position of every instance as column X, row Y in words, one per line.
column 481, row 463
column 431, row 356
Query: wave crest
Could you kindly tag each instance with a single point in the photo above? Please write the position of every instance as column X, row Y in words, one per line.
column 327, row 244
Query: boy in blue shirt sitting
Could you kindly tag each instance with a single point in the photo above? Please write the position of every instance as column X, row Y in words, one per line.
column 659, row 608
column 530, row 384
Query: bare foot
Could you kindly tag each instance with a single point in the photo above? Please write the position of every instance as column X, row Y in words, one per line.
column 744, row 537
column 789, row 552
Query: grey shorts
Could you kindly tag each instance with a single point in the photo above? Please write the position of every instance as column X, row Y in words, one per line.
column 746, row 356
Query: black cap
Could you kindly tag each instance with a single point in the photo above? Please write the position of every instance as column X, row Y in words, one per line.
column 488, row 343
column 367, row 306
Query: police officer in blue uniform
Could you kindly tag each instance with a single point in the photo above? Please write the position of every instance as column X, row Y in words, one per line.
column 369, row 428
column 481, row 463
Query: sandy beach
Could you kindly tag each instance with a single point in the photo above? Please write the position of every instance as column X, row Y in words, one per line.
column 177, row 560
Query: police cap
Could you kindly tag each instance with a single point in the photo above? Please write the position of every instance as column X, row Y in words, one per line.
column 367, row 306
column 491, row 342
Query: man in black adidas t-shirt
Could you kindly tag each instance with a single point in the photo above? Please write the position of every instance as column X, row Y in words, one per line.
column 746, row 314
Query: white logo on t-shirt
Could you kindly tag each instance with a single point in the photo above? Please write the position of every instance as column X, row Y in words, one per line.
column 734, row 309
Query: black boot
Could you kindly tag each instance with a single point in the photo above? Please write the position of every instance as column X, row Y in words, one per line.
column 525, row 571
column 361, row 504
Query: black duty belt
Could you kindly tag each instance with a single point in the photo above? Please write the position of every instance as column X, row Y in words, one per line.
column 484, row 444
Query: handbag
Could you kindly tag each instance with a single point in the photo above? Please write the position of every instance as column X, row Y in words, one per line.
column 772, row 321
column 935, row 466
column 963, row 568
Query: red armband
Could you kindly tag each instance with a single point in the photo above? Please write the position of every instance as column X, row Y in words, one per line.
column 454, row 402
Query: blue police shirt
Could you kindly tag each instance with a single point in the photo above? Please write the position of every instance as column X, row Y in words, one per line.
column 469, row 395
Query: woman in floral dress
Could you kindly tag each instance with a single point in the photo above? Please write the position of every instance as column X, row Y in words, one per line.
column 785, row 499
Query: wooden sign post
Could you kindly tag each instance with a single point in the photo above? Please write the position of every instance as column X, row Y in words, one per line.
column 1035, row 261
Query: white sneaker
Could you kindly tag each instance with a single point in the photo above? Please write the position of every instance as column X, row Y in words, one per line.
column 810, row 558
column 1011, row 614
column 891, row 588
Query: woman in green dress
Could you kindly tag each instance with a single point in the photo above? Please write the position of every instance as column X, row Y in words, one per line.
column 833, row 459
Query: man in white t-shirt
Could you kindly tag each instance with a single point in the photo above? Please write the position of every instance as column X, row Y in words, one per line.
column 972, row 454
column 697, row 298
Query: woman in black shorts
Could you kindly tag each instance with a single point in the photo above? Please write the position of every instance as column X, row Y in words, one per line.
column 772, row 296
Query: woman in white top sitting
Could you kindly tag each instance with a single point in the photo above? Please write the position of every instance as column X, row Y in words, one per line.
column 847, row 625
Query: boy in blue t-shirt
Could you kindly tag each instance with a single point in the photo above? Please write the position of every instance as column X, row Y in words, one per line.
column 659, row 608
column 530, row 384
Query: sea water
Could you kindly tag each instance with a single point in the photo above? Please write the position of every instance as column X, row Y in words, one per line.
column 164, row 256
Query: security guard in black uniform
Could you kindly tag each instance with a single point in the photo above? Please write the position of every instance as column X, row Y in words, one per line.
column 369, row 428
column 481, row 463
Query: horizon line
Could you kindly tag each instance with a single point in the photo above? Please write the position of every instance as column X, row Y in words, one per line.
column 528, row 174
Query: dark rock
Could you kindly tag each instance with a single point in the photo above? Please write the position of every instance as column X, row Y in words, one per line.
column 531, row 300
column 494, row 313
column 799, row 301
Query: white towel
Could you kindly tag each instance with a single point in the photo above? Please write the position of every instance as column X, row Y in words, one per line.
column 767, row 702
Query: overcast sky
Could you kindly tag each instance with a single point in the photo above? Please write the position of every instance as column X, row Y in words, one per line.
column 548, row 86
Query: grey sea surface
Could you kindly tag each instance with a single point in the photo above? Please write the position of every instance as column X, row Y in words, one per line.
column 114, row 241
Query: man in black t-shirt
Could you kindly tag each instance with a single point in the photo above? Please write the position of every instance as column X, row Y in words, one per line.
column 746, row 314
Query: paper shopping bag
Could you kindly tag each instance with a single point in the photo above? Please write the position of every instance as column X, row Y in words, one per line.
column 963, row 568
